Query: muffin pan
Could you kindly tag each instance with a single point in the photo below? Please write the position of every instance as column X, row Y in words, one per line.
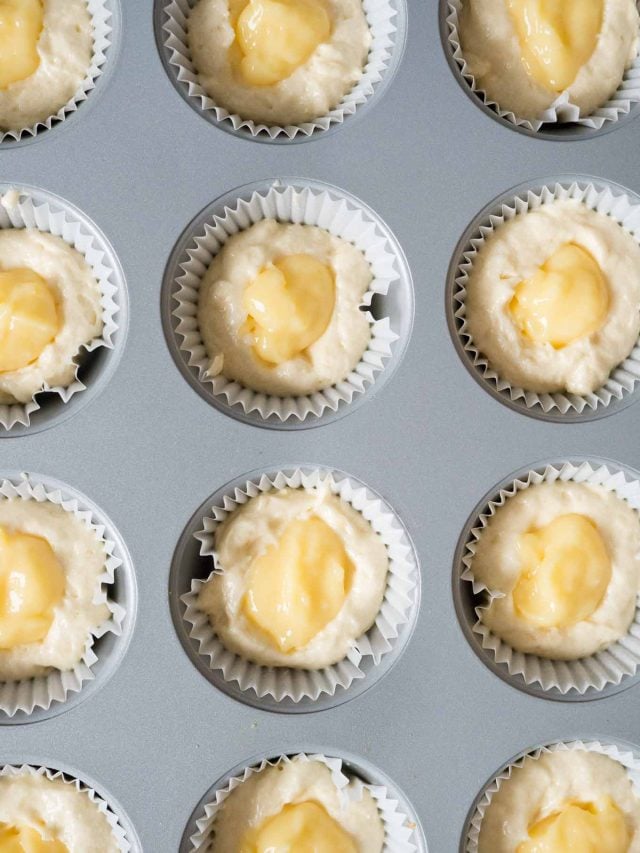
column 151, row 448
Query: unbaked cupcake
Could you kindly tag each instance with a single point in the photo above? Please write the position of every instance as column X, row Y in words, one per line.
column 278, row 805
column 562, row 563
column 525, row 55
column 50, row 308
column 51, row 569
column 573, row 797
column 46, row 50
column 42, row 812
column 278, row 62
column 301, row 576
column 280, row 309
column 553, row 298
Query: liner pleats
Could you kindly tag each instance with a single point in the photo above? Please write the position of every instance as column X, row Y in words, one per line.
column 607, row 201
column 58, row 685
column 20, row 209
column 119, row 833
column 562, row 110
column 296, row 684
column 609, row 666
column 626, row 758
column 286, row 203
column 381, row 17
column 102, row 32
column 399, row 830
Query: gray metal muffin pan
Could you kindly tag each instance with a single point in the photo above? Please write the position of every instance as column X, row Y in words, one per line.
column 149, row 450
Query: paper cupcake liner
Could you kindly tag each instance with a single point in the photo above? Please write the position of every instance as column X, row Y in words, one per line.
column 397, row 826
column 623, row 379
column 561, row 111
column 300, row 206
column 628, row 760
column 381, row 18
column 22, row 209
column 119, row 833
column 42, row 691
column 609, row 666
column 296, row 684
column 102, row 32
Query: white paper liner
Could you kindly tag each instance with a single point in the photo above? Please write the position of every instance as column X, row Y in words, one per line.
column 42, row 691
column 381, row 18
column 19, row 209
column 297, row 684
column 300, row 206
column 609, row 666
column 561, row 111
column 102, row 31
column 625, row 376
column 625, row 757
column 398, row 827
column 119, row 833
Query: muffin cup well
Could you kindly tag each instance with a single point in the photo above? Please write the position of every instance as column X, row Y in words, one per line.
column 102, row 19
column 625, row 757
column 298, row 202
column 594, row 673
column 387, row 23
column 27, row 207
column 398, row 828
column 561, row 112
column 601, row 196
column 42, row 692
column 397, row 609
column 119, row 832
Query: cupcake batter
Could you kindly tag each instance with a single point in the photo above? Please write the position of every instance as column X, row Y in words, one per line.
column 292, row 68
column 555, row 614
column 42, row 71
column 602, row 300
column 589, row 793
column 590, row 47
column 261, row 549
column 257, row 267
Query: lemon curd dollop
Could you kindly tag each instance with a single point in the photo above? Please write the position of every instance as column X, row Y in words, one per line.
column 21, row 23
column 566, row 570
column 299, row 584
column 32, row 584
column 588, row 827
column 24, row 839
column 565, row 300
column 29, row 317
column 299, row 828
column 289, row 306
column 556, row 38
column 275, row 37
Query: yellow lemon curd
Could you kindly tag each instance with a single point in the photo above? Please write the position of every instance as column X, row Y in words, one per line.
column 299, row 828
column 565, row 300
column 565, row 573
column 299, row 584
column 29, row 317
column 32, row 584
column 289, row 306
column 23, row 839
column 21, row 23
column 557, row 37
column 275, row 37
column 586, row 827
